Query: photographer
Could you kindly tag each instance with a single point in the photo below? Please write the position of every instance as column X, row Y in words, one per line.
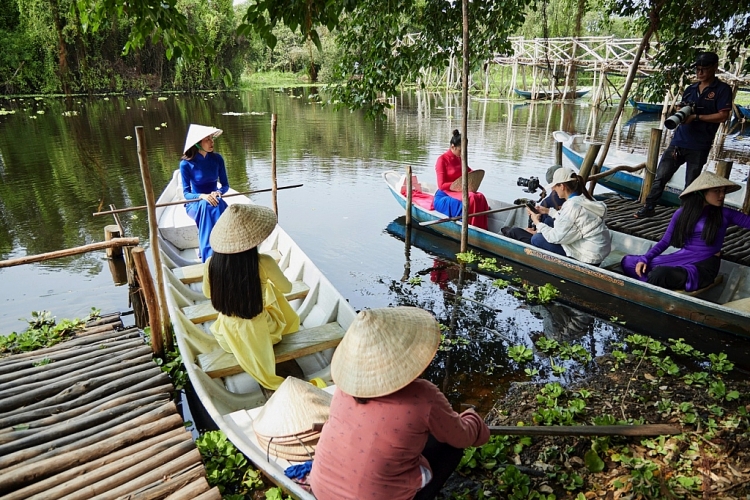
column 711, row 101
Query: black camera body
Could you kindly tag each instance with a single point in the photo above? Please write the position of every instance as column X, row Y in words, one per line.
column 680, row 116
column 531, row 184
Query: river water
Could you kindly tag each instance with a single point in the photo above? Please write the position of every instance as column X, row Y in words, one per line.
column 63, row 159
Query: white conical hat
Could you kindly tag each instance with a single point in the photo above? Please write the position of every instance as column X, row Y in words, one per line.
column 196, row 133
column 384, row 350
column 242, row 227
column 709, row 180
column 293, row 409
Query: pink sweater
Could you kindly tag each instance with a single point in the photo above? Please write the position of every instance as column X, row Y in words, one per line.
column 373, row 450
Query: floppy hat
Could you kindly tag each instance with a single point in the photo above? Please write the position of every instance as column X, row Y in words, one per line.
column 384, row 350
column 196, row 133
column 709, row 180
column 562, row 174
column 242, row 227
column 475, row 179
column 706, row 59
column 551, row 172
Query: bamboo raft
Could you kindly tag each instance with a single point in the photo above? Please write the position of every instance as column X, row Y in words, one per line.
column 95, row 421
column 620, row 218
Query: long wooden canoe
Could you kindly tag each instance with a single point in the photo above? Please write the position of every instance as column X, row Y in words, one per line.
column 629, row 183
column 230, row 396
column 546, row 94
column 725, row 306
column 646, row 107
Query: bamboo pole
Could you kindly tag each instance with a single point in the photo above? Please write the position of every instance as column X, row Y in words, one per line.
column 153, row 234
column 158, row 442
column 408, row 195
column 619, row 168
column 190, row 491
column 651, row 163
column 137, row 299
column 91, row 247
column 724, row 168
column 159, row 487
column 152, row 302
column 485, row 212
column 212, row 494
column 587, row 430
column 464, row 129
column 588, row 161
column 274, row 189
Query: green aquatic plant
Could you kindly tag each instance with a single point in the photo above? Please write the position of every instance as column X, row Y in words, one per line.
column 521, row 353
column 467, row 257
column 226, row 467
column 43, row 331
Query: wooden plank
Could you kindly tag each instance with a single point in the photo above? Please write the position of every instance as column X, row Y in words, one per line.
column 220, row 363
column 204, row 311
column 194, row 273
column 739, row 305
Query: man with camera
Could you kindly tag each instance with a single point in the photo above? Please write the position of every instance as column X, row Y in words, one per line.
column 705, row 105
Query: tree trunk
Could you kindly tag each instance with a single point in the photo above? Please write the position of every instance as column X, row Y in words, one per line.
column 62, row 47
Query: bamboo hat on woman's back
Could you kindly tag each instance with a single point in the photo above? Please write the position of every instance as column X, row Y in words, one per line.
column 384, row 350
column 242, row 227
column 196, row 133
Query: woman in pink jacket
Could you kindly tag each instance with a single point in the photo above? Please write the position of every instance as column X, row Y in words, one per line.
column 390, row 435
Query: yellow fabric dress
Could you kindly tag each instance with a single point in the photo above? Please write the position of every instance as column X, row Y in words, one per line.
column 251, row 340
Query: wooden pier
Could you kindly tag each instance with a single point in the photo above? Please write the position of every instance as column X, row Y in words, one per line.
column 92, row 417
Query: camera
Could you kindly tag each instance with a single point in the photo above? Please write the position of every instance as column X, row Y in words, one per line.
column 531, row 184
column 680, row 116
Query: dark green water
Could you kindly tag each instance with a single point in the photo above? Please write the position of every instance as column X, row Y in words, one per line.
column 61, row 160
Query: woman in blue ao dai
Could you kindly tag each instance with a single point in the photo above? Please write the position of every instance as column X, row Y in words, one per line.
column 204, row 177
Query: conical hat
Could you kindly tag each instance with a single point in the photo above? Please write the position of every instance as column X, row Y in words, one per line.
column 709, row 180
column 196, row 133
column 475, row 179
column 242, row 227
column 294, row 408
column 384, row 350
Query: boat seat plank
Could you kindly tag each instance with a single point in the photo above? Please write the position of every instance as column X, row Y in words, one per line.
column 220, row 363
column 204, row 311
column 739, row 305
column 719, row 279
column 194, row 273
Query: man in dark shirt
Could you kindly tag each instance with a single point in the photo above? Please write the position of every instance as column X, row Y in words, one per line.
column 693, row 138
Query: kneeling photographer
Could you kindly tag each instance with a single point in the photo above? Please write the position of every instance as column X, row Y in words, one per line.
column 705, row 105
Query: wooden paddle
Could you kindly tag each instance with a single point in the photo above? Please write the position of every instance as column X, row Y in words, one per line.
column 585, row 430
column 440, row 221
column 183, row 202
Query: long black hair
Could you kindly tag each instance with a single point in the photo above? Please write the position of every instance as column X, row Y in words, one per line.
column 693, row 205
column 235, row 283
column 456, row 139
column 577, row 185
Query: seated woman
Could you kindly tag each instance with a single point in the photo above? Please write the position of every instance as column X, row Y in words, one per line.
column 697, row 228
column 579, row 230
column 389, row 434
column 448, row 169
column 247, row 289
column 201, row 169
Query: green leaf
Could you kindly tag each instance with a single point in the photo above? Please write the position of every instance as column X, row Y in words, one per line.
column 593, row 462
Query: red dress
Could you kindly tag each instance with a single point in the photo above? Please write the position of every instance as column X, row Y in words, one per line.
column 448, row 169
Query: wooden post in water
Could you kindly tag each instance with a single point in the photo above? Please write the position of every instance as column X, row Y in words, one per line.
column 558, row 152
column 152, row 302
column 137, row 301
column 274, row 187
column 408, row 195
column 724, row 168
column 588, row 160
column 112, row 231
column 464, row 128
column 651, row 163
column 153, row 235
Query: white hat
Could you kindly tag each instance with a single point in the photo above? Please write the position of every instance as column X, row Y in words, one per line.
column 196, row 133
column 292, row 410
column 384, row 350
column 561, row 175
column 242, row 227
column 709, row 180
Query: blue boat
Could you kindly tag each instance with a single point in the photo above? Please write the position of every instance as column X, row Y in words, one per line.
column 542, row 95
column 745, row 112
column 645, row 107
column 724, row 306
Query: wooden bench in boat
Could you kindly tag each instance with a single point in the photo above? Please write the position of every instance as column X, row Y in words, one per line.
column 194, row 273
column 220, row 363
column 739, row 305
column 204, row 311
column 718, row 281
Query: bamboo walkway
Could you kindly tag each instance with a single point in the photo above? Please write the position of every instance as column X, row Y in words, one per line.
column 620, row 218
column 95, row 421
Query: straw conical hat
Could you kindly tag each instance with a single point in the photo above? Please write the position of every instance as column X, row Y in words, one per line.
column 475, row 179
column 242, row 227
column 294, row 408
column 196, row 133
column 709, row 180
column 384, row 350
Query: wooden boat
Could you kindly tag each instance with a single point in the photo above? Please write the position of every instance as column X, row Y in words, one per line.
column 542, row 95
column 745, row 112
column 629, row 183
column 645, row 107
column 231, row 397
column 724, row 306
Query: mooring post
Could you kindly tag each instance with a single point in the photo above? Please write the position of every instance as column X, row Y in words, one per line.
column 724, row 168
column 137, row 301
column 152, row 302
column 112, row 231
column 274, row 186
column 588, row 160
column 651, row 163
column 408, row 195
column 558, row 152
